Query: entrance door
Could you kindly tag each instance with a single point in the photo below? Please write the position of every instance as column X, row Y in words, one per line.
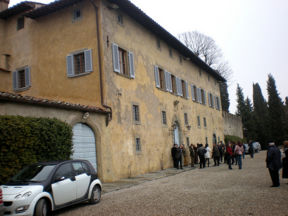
column 176, row 135
column 214, row 139
column 84, row 146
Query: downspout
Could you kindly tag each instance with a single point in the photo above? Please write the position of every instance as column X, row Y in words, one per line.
column 109, row 115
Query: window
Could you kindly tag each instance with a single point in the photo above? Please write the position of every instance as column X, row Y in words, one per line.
column 198, row 121
column 217, row 102
column 120, row 19
column 204, row 122
column 162, row 79
column 187, row 141
column 20, row 23
column 164, row 118
column 76, row 14
column 211, row 100
column 186, row 118
column 158, row 43
column 206, row 139
column 194, row 93
column 21, row 79
column 136, row 114
column 200, row 72
column 65, row 171
column 170, row 53
column 123, row 61
column 138, row 144
column 180, row 59
column 174, row 88
column 203, row 96
column 185, row 92
column 79, row 63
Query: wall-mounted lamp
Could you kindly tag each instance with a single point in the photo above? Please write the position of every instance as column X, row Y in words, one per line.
column 188, row 127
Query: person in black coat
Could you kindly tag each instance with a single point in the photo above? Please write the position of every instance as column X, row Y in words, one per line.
column 274, row 164
column 173, row 153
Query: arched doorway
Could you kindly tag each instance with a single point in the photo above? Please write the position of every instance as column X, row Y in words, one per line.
column 176, row 134
column 84, row 146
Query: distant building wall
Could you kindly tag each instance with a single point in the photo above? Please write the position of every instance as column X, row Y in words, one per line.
column 232, row 125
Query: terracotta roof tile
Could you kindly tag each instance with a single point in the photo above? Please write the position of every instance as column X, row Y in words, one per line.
column 18, row 98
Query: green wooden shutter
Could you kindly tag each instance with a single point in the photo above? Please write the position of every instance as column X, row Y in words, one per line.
column 131, row 65
column 116, row 61
column 157, row 78
column 70, row 65
column 186, row 90
column 14, row 77
column 88, row 60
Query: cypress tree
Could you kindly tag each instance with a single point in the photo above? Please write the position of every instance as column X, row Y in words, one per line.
column 275, row 111
column 260, row 114
column 225, row 102
column 240, row 101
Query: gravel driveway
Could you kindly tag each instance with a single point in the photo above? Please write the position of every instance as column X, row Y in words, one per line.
column 209, row 191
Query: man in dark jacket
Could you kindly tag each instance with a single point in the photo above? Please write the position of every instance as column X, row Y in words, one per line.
column 173, row 154
column 201, row 152
column 274, row 164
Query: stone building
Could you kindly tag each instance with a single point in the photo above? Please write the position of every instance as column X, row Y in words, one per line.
column 129, row 88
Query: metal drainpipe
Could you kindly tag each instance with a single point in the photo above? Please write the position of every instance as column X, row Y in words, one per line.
column 109, row 115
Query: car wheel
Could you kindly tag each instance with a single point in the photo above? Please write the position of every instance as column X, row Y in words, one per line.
column 95, row 195
column 41, row 208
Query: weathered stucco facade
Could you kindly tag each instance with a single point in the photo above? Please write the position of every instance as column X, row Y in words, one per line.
column 232, row 125
column 124, row 147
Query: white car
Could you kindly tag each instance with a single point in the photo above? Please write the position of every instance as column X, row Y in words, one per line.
column 41, row 188
column 256, row 146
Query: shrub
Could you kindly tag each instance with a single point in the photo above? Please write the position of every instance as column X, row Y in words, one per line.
column 26, row 140
column 233, row 139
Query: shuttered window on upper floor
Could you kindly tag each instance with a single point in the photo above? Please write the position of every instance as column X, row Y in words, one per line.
column 211, row 100
column 217, row 103
column 79, row 63
column 123, row 61
column 21, row 79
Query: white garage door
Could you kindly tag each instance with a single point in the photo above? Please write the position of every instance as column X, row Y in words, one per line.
column 84, row 146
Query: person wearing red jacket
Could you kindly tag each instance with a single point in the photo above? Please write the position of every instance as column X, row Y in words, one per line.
column 229, row 155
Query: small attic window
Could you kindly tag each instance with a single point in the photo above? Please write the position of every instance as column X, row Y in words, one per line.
column 20, row 23
column 120, row 19
column 77, row 14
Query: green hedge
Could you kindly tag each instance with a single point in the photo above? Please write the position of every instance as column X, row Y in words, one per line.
column 233, row 139
column 26, row 140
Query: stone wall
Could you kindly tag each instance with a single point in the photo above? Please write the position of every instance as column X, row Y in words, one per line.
column 232, row 124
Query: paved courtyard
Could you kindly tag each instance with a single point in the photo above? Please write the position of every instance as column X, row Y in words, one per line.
column 209, row 191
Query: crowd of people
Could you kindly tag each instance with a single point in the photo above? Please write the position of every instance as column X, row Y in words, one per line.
column 199, row 154
column 231, row 153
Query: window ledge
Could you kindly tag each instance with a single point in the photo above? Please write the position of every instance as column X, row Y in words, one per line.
column 22, row 89
column 79, row 75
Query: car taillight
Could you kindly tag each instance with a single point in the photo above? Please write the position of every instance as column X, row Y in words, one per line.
column 1, row 199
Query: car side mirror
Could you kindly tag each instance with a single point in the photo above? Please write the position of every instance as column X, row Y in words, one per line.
column 59, row 179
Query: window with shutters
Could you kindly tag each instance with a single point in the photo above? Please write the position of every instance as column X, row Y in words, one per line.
column 123, row 61
column 21, row 79
column 79, row 63
column 158, row 43
column 164, row 118
column 203, row 96
column 170, row 53
column 194, row 93
column 211, row 100
column 174, row 88
column 162, row 79
column 136, row 114
column 184, row 87
column 217, row 102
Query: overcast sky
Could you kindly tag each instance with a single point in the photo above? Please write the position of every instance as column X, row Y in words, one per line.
column 253, row 35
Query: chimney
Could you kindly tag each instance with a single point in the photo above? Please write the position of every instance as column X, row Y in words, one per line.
column 4, row 5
